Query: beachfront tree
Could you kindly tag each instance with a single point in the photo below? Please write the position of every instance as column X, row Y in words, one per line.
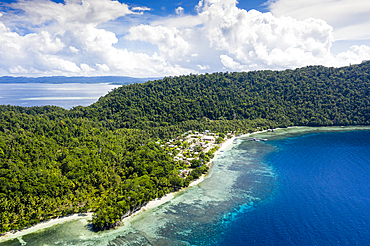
column 65, row 161
column 219, row 140
column 195, row 163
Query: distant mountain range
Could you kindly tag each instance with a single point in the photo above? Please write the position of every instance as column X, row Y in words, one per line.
column 120, row 80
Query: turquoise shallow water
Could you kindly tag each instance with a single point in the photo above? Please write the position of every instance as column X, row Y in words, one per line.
column 323, row 193
column 304, row 186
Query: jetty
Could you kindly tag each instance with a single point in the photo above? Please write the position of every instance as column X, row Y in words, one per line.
column 256, row 139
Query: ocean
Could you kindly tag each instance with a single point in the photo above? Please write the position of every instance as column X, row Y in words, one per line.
column 304, row 186
column 66, row 95
column 322, row 196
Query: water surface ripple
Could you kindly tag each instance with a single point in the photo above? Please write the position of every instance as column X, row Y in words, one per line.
column 305, row 186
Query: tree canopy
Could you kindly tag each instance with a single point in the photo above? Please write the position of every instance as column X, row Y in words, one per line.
column 106, row 158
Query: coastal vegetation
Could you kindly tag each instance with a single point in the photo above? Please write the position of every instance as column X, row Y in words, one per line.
column 312, row 96
column 111, row 157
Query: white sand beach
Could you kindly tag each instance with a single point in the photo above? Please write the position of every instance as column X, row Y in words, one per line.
column 159, row 201
column 44, row 224
column 152, row 204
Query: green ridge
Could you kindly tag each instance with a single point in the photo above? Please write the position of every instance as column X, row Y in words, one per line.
column 104, row 158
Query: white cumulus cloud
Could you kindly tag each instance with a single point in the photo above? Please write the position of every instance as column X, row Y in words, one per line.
column 86, row 68
column 203, row 67
column 169, row 40
column 350, row 18
column 141, row 9
column 102, row 67
column 72, row 12
column 255, row 38
column 229, row 63
column 64, row 39
column 246, row 40
column 356, row 54
column 179, row 10
column 78, row 37
column 227, row 37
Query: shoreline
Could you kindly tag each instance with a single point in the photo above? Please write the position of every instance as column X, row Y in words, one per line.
column 43, row 225
column 151, row 204
column 166, row 198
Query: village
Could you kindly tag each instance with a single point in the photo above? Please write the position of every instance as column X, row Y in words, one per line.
column 194, row 149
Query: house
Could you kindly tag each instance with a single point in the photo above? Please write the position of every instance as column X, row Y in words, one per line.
column 208, row 138
column 184, row 173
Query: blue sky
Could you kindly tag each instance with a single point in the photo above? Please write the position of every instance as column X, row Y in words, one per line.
column 167, row 38
column 166, row 7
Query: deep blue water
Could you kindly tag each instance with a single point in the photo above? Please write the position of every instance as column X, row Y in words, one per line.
column 305, row 186
column 322, row 197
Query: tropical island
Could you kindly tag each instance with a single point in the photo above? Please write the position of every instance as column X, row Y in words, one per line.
column 125, row 150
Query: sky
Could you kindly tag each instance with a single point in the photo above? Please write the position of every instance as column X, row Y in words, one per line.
column 142, row 38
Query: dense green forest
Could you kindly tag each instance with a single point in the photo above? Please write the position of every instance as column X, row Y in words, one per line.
column 313, row 95
column 107, row 158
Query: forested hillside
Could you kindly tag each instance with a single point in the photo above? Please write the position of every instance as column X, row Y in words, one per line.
column 52, row 166
column 106, row 158
column 313, row 95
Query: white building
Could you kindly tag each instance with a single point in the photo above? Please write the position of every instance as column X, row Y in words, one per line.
column 208, row 138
